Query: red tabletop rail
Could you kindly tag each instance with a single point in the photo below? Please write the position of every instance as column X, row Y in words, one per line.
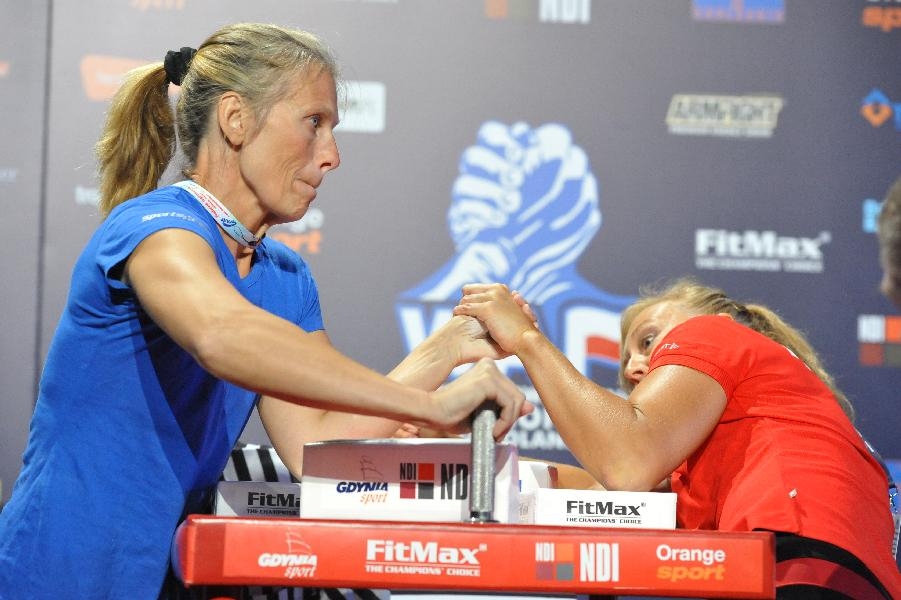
column 211, row 550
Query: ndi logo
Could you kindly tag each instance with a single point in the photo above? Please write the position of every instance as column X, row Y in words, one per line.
column 879, row 340
column 598, row 562
column 567, row 12
column 417, row 481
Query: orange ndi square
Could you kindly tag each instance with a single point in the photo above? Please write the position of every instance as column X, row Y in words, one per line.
column 564, row 553
column 893, row 329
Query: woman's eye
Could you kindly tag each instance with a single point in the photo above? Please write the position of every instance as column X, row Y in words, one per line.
column 646, row 341
column 316, row 120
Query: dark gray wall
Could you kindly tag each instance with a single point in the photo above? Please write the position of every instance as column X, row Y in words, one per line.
column 23, row 77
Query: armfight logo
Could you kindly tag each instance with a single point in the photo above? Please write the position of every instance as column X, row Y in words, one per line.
column 764, row 251
column 749, row 116
column 600, row 562
column 879, row 340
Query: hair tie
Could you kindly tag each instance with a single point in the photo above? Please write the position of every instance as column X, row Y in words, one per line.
column 176, row 64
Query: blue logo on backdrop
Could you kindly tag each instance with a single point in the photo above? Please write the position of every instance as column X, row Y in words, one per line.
column 870, row 213
column 877, row 108
column 524, row 207
column 750, row 11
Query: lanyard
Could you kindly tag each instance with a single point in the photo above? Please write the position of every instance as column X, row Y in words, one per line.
column 218, row 211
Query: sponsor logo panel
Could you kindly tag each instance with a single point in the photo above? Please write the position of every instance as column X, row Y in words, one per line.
column 102, row 75
column 434, row 481
column 8, row 174
column 763, row 251
column 273, row 505
column 372, row 488
column 298, row 562
column 363, row 106
column 691, row 564
column 744, row 11
column 417, row 557
column 884, row 15
column 878, row 109
column 145, row 5
column 565, row 12
column 870, row 209
column 750, row 116
column 303, row 236
column 879, row 340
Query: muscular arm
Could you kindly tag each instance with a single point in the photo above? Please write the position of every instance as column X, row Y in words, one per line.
column 626, row 444
column 289, row 425
column 178, row 283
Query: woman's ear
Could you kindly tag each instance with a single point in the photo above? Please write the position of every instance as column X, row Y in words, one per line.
column 232, row 118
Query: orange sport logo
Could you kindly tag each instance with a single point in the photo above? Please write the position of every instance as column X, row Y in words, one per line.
column 885, row 18
column 101, row 75
column 691, row 564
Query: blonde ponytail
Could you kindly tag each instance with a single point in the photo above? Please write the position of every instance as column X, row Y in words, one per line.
column 138, row 139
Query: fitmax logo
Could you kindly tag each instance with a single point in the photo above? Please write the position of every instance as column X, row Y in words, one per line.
column 581, row 507
column 419, row 552
column 750, row 250
column 265, row 500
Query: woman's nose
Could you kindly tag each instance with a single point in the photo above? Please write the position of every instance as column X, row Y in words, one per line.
column 330, row 157
column 636, row 369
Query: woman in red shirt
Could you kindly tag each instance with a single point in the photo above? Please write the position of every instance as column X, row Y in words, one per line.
column 731, row 405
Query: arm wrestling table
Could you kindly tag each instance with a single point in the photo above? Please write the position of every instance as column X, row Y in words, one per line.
column 487, row 557
column 480, row 556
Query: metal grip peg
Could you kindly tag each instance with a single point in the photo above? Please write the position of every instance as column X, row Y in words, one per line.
column 481, row 483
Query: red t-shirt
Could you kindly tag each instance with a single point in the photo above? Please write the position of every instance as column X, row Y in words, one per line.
column 783, row 457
